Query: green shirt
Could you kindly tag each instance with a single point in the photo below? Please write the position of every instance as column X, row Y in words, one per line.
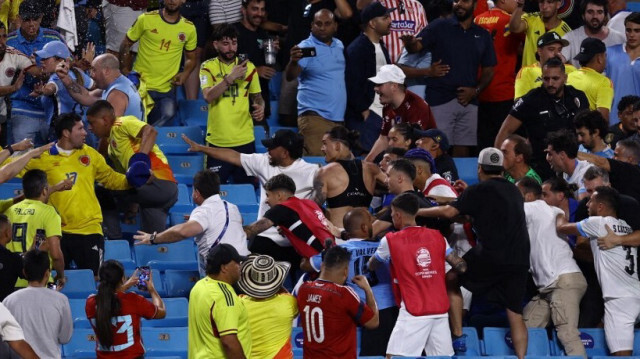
column 530, row 173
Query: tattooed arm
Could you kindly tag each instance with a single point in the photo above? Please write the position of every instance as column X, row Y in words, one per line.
column 126, row 57
column 258, row 227
column 319, row 187
column 458, row 264
column 77, row 92
column 257, row 103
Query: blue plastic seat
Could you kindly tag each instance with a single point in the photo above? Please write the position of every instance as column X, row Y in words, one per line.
column 194, row 112
column 260, row 134
column 178, row 217
column 119, row 250
column 165, row 341
column 497, row 341
column 170, row 141
column 238, row 194
column 80, row 283
column 78, row 314
column 274, row 129
column 183, row 204
column 177, row 312
column 467, row 169
column 473, row 343
column 82, row 344
column 10, row 190
column 180, row 282
column 178, row 255
column 248, row 218
column 157, row 283
column 184, row 167
column 592, row 338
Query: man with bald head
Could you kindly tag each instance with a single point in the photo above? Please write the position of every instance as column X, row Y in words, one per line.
column 358, row 234
column 121, row 93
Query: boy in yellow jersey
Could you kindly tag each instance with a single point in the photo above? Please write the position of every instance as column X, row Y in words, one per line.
column 163, row 35
column 231, row 87
column 70, row 158
column 529, row 77
column 535, row 25
column 133, row 150
column 35, row 224
column 218, row 319
column 589, row 78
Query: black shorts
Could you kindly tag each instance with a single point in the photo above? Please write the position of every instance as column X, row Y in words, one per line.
column 86, row 250
column 505, row 284
column 198, row 13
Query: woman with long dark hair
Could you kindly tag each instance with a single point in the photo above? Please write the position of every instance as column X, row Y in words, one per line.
column 115, row 315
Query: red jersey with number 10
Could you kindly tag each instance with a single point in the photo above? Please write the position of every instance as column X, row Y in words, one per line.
column 329, row 314
column 127, row 342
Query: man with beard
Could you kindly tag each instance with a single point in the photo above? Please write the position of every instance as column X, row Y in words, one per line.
column 621, row 65
column 231, row 87
column 284, row 157
column 545, row 109
column 594, row 16
column 251, row 41
column 399, row 106
column 163, row 35
column 453, row 98
column 365, row 56
column 535, row 25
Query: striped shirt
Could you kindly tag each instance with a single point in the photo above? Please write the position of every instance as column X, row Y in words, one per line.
column 225, row 11
column 409, row 18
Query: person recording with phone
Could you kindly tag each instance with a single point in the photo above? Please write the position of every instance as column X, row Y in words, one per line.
column 231, row 87
column 319, row 64
column 113, row 307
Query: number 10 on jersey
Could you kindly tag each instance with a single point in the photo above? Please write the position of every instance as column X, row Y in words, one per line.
column 314, row 324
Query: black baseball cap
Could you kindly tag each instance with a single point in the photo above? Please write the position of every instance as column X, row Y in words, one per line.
column 374, row 10
column 285, row 138
column 30, row 9
column 589, row 48
column 438, row 136
column 551, row 37
column 221, row 254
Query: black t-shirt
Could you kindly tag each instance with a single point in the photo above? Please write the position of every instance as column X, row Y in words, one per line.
column 616, row 134
column 541, row 113
column 433, row 223
column 250, row 42
column 625, row 177
column 10, row 270
column 446, row 167
column 628, row 210
column 497, row 211
column 284, row 216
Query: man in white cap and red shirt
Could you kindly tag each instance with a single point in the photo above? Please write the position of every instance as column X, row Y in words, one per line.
column 399, row 106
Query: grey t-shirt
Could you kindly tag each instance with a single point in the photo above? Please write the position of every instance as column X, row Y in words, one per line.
column 45, row 318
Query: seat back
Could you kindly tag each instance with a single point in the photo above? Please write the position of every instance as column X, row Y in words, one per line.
column 169, row 139
column 165, row 341
column 498, row 341
column 80, row 283
column 184, row 167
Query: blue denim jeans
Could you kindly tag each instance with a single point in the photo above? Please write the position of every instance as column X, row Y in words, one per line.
column 164, row 108
column 36, row 129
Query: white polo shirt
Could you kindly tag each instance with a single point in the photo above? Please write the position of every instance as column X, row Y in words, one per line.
column 302, row 173
column 212, row 216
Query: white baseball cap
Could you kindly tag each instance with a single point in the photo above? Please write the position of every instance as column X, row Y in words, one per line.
column 388, row 73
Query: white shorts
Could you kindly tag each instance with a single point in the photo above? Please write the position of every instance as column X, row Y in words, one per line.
column 620, row 315
column 117, row 21
column 412, row 334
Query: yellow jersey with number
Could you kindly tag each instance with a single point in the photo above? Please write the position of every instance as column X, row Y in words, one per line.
column 78, row 207
column 535, row 29
column 229, row 123
column 160, row 48
column 124, row 142
column 597, row 87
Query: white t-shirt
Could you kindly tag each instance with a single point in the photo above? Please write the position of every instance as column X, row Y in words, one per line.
column 615, row 267
column 576, row 36
column 212, row 216
column 9, row 328
column 439, row 190
column 617, row 21
column 550, row 255
column 13, row 61
column 578, row 175
column 376, row 106
column 302, row 173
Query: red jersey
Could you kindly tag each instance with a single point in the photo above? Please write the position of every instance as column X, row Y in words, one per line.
column 412, row 110
column 329, row 315
column 312, row 217
column 506, row 45
column 408, row 18
column 127, row 342
column 417, row 266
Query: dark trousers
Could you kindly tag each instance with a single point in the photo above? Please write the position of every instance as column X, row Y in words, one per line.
column 490, row 118
column 374, row 341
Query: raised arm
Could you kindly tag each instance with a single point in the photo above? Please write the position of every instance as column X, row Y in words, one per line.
column 174, row 234
column 566, row 228
column 214, row 92
column 148, row 136
column 258, row 227
column 596, row 160
column 80, row 94
column 222, row 154
column 293, row 69
column 516, row 24
column 447, row 211
column 10, row 170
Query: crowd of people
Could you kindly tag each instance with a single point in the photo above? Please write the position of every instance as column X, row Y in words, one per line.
column 384, row 235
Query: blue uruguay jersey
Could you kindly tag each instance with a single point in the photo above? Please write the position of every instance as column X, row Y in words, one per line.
column 21, row 102
column 65, row 102
column 380, row 280
column 123, row 84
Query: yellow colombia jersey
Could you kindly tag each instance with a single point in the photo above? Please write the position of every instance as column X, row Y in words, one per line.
column 78, row 207
column 535, row 28
column 124, row 143
column 530, row 77
column 26, row 218
column 229, row 123
column 214, row 311
column 270, row 323
column 597, row 87
column 160, row 48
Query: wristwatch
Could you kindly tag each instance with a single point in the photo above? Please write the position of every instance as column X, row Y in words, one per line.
column 152, row 239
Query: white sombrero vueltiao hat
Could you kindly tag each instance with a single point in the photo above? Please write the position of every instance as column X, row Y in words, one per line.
column 261, row 276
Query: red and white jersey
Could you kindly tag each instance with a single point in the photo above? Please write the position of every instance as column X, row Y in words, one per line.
column 12, row 62
column 329, row 314
column 408, row 18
